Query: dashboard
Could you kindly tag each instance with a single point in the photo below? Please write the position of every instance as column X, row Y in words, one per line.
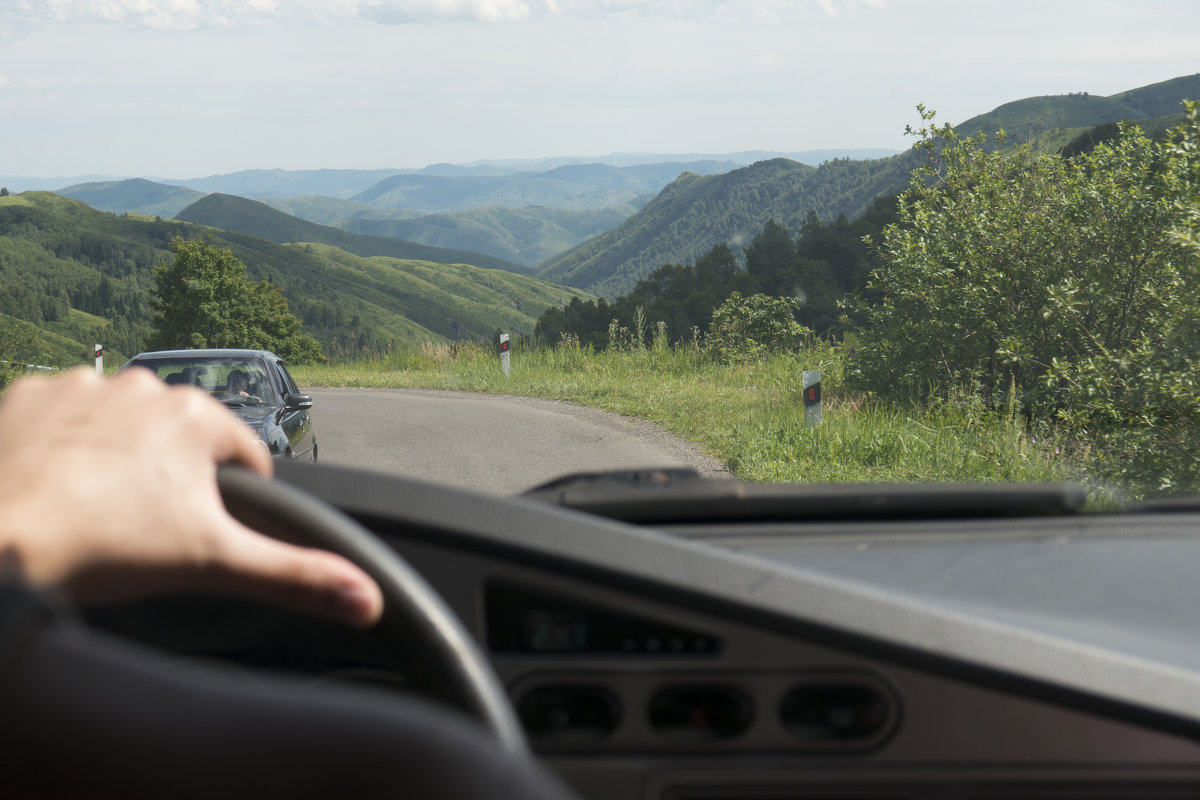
column 1025, row 657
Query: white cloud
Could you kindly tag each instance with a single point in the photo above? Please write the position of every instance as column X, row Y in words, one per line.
column 3, row 81
column 20, row 17
column 405, row 11
column 835, row 7
column 34, row 83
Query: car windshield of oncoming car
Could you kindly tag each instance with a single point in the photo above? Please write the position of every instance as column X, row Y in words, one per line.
column 234, row 381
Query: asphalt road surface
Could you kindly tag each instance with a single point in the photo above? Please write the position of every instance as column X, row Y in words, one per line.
column 493, row 443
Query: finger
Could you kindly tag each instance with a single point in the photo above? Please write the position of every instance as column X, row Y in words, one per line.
column 313, row 581
column 227, row 438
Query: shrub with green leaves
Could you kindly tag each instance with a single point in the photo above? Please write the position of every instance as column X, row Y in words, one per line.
column 751, row 327
column 1072, row 280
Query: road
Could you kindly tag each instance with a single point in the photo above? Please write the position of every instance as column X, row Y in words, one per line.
column 494, row 443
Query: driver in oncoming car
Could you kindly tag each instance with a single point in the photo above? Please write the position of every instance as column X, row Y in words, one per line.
column 237, row 387
column 92, row 506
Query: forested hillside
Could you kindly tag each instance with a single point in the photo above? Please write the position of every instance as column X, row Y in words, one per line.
column 825, row 265
column 71, row 276
column 695, row 213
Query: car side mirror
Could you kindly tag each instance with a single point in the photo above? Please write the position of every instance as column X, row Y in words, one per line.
column 298, row 401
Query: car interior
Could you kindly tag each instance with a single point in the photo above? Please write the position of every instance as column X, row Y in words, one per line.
column 658, row 636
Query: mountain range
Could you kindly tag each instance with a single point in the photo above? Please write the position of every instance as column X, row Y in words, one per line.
column 367, row 257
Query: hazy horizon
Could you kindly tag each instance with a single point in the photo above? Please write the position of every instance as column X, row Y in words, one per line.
column 180, row 89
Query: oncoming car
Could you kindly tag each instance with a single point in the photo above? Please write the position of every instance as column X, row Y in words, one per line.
column 254, row 384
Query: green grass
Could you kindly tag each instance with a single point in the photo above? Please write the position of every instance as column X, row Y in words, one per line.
column 748, row 415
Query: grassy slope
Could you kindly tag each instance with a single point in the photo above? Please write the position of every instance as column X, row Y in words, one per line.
column 452, row 300
column 1161, row 99
column 1032, row 116
column 29, row 344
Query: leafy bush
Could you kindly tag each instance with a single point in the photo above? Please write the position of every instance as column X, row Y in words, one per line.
column 1072, row 280
column 751, row 327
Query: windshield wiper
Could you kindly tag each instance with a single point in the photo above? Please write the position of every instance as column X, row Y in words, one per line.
column 683, row 495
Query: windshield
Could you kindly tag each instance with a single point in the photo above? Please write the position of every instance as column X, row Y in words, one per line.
column 233, row 381
column 707, row 216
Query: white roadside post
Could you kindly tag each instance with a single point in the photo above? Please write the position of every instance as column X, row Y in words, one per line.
column 100, row 358
column 504, row 353
column 810, row 383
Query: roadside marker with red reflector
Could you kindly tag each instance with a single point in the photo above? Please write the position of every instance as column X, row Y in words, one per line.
column 810, row 386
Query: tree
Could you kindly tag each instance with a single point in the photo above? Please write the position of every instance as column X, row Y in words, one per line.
column 771, row 259
column 1138, row 401
column 3, row 191
column 750, row 327
column 1067, row 280
column 204, row 299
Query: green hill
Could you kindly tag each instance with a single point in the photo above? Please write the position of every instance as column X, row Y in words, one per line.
column 697, row 212
column 1025, row 119
column 1161, row 99
column 1053, row 120
column 240, row 215
column 454, row 301
column 133, row 195
column 78, row 276
column 526, row 236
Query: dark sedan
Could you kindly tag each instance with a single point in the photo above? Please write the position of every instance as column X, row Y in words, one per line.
column 254, row 384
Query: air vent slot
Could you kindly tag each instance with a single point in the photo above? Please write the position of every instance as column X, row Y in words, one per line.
column 821, row 713
column 568, row 714
column 700, row 713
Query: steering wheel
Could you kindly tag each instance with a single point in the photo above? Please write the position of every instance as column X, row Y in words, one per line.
column 438, row 655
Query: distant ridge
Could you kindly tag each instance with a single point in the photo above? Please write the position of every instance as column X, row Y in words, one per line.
column 288, row 183
column 240, row 215
column 1026, row 119
column 135, row 195
column 578, row 186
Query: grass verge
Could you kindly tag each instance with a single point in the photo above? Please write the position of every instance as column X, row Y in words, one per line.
column 749, row 414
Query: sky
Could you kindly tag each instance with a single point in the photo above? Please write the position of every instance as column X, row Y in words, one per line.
column 190, row 88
